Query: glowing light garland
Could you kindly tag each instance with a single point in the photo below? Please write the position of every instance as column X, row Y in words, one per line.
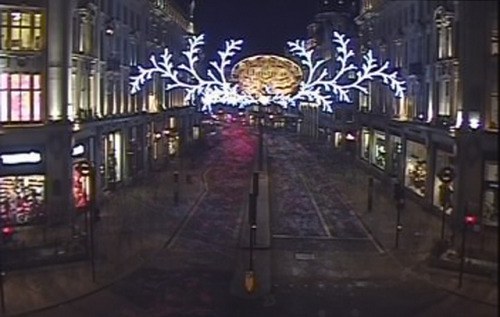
column 319, row 87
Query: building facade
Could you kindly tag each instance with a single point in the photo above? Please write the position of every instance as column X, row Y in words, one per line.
column 337, row 128
column 448, row 121
column 70, row 130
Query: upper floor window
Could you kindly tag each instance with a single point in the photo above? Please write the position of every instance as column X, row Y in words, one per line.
column 21, row 30
column 20, row 98
column 444, row 25
column 494, row 41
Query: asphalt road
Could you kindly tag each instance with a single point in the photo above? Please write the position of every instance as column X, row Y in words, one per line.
column 323, row 262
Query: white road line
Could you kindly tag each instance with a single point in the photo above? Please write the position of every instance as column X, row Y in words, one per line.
column 320, row 215
column 286, row 236
column 377, row 245
column 193, row 210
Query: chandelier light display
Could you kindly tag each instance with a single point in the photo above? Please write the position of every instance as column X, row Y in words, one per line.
column 319, row 87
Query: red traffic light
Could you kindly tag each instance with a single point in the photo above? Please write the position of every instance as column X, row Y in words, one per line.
column 470, row 219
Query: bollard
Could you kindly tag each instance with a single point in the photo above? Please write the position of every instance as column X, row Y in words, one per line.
column 370, row 194
column 399, row 207
column 255, row 183
column 176, row 188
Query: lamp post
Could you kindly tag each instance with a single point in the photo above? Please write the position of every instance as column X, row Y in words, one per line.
column 252, row 222
column 446, row 176
column 399, row 197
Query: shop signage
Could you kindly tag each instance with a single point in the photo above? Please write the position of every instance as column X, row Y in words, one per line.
column 78, row 150
column 21, row 158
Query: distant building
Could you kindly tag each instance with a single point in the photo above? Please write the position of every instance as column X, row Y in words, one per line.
column 65, row 99
column 448, row 53
column 338, row 127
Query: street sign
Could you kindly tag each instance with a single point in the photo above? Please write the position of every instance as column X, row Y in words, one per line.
column 446, row 175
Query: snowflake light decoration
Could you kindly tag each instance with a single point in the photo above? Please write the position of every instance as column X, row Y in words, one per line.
column 319, row 87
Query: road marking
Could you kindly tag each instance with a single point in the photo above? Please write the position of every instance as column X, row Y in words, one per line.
column 320, row 215
column 375, row 242
column 304, row 256
column 285, row 236
column 170, row 243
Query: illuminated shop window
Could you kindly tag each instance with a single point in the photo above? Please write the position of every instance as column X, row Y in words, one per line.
column 379, row 154
column 22, row 199
column 81, row 185
column 21, row 30
column 416, row 167
column 20, row 98
column 365, row 144
column 490, row 193
column 112, row 155
column 494, row 111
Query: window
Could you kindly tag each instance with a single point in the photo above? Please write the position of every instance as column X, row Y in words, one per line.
column 494, row 110
column 21, row 31
column 445, row 98
column 20, row 97
column 490, row 194
column 494, row 42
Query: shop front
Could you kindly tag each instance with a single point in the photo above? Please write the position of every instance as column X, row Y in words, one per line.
column 379, row 156
column 22, row 187
column 490, row 194
column 112, row 157
column 365, row 144
column 82, row 156
column 416, row 167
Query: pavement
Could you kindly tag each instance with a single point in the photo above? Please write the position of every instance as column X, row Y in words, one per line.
column 135, row 223
column 192, row 265
column 420, row 233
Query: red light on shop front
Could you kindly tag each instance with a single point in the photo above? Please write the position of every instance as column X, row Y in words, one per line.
column 471, row 219
column 7, row 231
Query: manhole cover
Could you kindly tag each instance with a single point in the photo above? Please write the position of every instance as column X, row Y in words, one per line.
column 304, row 256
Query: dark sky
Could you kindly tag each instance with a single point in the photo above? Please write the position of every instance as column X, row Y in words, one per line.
column 264, row 25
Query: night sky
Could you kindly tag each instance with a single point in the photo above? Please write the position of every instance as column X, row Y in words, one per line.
column 265, row 25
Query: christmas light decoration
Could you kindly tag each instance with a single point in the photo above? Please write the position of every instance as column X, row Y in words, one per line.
column 216, row 89
column 318, row 88
column 321, row 88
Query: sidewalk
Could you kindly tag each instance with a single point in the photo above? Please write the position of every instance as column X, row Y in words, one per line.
column 421, row 230
column 135, row 223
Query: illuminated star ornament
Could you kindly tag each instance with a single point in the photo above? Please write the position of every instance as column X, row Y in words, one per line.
column 319, row 87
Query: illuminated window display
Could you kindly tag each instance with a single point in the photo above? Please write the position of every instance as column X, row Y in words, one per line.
column 490, row 194
column 113, row 157
column 20, row 97
column 21, row 199
column 443, row 195
column 396, row 154
column 365, row 144
column 379, row 154
column 21, row 30
column 81, row 185
column 416, row 167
